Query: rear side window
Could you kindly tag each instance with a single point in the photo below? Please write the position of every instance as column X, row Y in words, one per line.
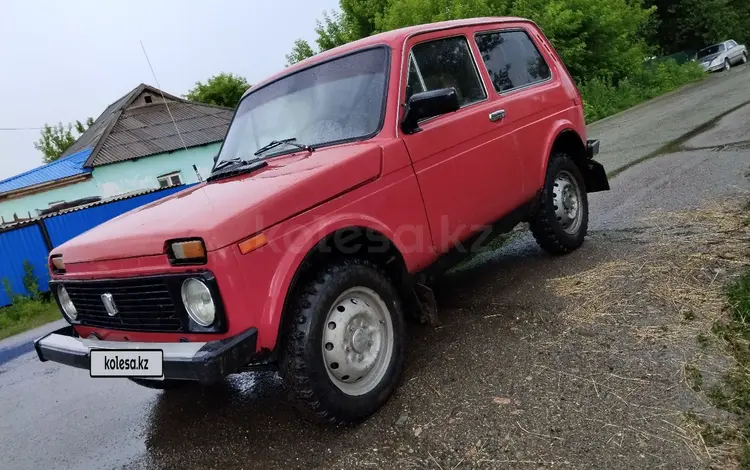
column 512, row 59
column 445, row 63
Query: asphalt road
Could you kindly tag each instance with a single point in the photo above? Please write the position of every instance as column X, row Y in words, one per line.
column 491, row 388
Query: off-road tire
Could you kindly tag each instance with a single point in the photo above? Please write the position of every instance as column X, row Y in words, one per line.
column 161, row 384
column 301, row 364
column 547, row 231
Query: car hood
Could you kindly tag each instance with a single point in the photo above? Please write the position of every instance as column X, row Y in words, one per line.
column 709, row 57
column 226, row 211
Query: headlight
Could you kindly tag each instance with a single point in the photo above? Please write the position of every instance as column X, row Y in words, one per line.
column 198, row 301
column 66, row 304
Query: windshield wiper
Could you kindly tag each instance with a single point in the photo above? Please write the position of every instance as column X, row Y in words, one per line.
column 239, row 169
column 275, row 143
column 231, row 161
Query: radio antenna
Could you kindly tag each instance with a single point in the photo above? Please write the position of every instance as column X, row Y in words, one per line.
column 162, row 96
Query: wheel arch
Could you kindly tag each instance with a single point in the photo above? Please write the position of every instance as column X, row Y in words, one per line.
column 567, row 140
column 373, row 242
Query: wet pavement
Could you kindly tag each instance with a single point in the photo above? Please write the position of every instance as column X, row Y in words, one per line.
column 507, row 381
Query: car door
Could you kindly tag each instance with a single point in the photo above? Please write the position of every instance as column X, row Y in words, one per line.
column 528, row 82
column 466, row 164
column 733, row 51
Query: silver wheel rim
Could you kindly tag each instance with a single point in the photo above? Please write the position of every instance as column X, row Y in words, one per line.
column 726, row 65
column 567, row 202
column 357, row 341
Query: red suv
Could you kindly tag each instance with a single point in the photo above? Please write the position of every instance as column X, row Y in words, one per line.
column 343, row 184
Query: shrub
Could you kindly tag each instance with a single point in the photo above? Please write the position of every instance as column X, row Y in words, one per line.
column 601, row 98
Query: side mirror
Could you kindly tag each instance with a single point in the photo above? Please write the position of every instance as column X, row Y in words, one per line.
column 426, row 105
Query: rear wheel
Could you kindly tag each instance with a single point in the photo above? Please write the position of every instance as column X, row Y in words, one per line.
column 561, row 221
column 344, row 343
column 744, row 57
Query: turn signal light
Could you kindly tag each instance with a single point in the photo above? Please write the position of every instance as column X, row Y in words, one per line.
column 187, row 252
column 252, row 243
column 57, row 264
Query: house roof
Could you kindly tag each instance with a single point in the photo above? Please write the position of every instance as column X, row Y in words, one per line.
column 139, row 124
column 61, row 168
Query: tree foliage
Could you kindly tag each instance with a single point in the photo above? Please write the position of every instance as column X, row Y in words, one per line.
column 55, row 140
column 693, row 24
column 224, row 89
column 598, row 39
column 300, row 51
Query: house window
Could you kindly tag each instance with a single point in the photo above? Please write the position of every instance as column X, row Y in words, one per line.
column 170, row 179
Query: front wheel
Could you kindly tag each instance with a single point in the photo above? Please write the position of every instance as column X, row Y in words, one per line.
column 562, row 219
column 344, row 343
column 727, row 65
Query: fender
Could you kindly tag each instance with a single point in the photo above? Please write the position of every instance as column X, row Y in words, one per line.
column 304, row 241
column 557, row 128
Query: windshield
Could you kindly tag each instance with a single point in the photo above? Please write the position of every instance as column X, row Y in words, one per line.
column 339, row 100
column 711, row 50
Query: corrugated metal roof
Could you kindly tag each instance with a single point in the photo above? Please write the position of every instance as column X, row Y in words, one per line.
column 61, row 168
column 147, row 130
column 92, row 135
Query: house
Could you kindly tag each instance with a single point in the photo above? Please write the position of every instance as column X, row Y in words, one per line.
column 133, row 145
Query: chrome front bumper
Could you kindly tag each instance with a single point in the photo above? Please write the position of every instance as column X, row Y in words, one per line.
column 205, row 362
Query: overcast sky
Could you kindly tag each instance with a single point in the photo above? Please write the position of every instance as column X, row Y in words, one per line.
column 68, row 60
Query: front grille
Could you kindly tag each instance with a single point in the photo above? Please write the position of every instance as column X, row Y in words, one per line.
column 144, row 304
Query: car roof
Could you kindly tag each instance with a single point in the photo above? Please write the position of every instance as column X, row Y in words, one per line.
column 392, row 38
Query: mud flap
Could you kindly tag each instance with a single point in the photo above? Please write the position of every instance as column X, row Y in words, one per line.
column 594, row 175
column 427, row 305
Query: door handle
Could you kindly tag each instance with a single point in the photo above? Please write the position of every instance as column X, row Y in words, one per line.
column 497, row 115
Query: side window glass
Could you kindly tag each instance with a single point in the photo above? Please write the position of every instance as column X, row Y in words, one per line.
column 447, row 63
column 512, row 59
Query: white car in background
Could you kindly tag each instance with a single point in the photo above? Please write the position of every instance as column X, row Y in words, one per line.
column 722, row 56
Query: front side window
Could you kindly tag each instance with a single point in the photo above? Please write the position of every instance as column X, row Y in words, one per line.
column 445, row 63
column 339, row 100
column 512, row 59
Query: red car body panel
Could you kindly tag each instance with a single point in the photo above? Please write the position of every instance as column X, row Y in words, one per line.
column 424, row 191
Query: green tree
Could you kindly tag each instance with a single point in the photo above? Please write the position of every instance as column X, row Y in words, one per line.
column 356, row 20
column 411, row 12
column 690, row 25
column 361, row 16
column 300, row 51
column 224, row 89
column 55, row 140
column 595, row 38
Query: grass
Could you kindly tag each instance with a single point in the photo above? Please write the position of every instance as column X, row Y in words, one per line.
column 602, row 98
column 732, row 394
column 25, row 314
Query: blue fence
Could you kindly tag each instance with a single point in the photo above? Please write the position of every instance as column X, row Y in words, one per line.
column 16, row 247
column 33, row 241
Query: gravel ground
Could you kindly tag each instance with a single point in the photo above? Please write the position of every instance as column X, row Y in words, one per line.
column 576, row 361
